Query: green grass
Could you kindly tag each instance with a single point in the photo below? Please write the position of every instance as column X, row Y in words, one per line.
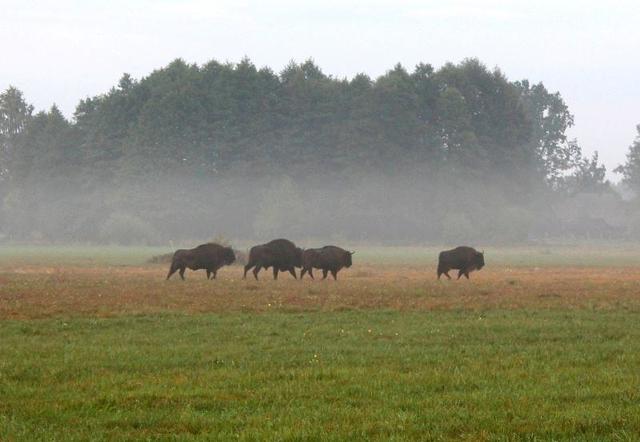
column 551, row 367
column 604, row 254
column 534, row 375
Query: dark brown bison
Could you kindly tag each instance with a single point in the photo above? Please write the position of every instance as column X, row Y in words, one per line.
column 328, row 259
column 464, row 259
column 281, row 254
column 206, row 256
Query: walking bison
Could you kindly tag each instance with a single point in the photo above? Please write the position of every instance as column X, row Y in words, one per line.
column 464, row 259
column 281, row 254
column 206, row 256
column 328, row 259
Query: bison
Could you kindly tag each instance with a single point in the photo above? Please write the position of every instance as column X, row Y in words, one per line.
column 328, row 259
column 464, row 259
column 206, row 256
column 281, row 254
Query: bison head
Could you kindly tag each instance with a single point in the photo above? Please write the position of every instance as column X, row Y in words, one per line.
column 347, row 259
column 228, row 256
column 479, row 260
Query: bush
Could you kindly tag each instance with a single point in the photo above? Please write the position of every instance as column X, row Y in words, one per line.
column 165, row 258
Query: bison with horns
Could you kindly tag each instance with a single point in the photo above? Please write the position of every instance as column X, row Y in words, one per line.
column 281, row 254
column 464, row 259
column 206, row 256
column 328, row 259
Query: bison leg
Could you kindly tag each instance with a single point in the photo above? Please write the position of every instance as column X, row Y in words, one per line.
column 208, row 273
column 275, row 272
column 460, row 273
column 324, row 274
column 182, row 269
column 215, row 273
column 334, row 273
column 256, row 270
column 246, row 269
column 293, row 272
column 302, row 272
column 172, row 269
column 310, row 273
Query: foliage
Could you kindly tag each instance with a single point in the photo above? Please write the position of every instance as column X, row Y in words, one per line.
column 589, row 177
column 15, row 115
column 191, row 139
column 631, row 169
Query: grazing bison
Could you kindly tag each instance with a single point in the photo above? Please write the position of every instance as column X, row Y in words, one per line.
column 206, row 256
column 464, row 259
column 281, row 254
column 328, row 259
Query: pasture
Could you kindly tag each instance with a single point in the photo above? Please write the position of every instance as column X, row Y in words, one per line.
column 542, row 344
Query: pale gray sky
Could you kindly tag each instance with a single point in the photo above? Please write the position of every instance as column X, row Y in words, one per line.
column 64, row 50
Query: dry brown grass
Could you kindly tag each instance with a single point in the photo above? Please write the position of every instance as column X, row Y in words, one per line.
column 41, row 291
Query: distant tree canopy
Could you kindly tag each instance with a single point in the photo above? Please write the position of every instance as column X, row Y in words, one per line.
column 162, row 151
column 631, row 169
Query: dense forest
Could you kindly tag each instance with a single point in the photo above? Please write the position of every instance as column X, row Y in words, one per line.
column 459, row 153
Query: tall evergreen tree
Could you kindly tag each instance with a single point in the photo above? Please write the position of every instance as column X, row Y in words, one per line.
column 15, row 114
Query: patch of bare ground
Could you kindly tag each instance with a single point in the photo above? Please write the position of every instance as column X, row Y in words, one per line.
column 48, row 291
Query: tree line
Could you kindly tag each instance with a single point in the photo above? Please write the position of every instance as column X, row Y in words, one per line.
column 459, row 152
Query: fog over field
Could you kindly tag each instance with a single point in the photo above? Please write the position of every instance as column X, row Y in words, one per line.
column 418, row 155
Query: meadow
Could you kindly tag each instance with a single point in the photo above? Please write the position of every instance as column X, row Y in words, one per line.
column 542, row 344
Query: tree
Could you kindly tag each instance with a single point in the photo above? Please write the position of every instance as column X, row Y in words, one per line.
column 589, row 177
column 630, row 170
column 554, row 153
column 191, row 146
column 397, row 119
column 15, row 114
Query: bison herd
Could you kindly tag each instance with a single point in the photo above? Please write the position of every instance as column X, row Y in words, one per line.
column 283, row 255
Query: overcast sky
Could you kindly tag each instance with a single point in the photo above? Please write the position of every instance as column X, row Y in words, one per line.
column 64, row 50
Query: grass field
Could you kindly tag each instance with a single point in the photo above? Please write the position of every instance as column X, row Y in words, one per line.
column 542, row 344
